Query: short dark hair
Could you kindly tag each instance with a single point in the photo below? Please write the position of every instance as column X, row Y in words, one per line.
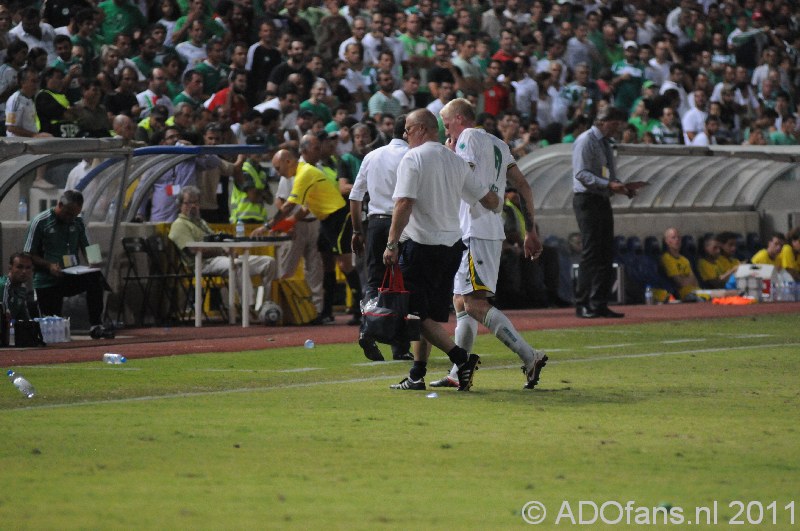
column 21, row 254
column 71, row 197
column 612, row 113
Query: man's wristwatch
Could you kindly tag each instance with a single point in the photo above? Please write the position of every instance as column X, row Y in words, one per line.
column 391, row 246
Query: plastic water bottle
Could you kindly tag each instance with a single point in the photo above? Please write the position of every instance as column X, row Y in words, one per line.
column 22, row 384
column 309, row 343
column 11, row 340
column 239, row 229
column 648, row 296
column 23, row 209
column 111, row 215
column 114, row 359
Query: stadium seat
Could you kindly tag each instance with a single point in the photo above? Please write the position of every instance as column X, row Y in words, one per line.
column 635, row 245
column 753, row 243
column 652, row 246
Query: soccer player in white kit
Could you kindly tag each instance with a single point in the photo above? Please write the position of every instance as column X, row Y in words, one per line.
column 483, row 235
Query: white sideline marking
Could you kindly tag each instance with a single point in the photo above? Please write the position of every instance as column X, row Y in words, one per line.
column 673, row 341
column 610, row 346
column 302, row 369
column 393, row 377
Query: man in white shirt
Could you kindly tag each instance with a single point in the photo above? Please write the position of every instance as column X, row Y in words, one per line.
column 156, row 94
column 707, row 137
column 377, row 176
column 193, row 52
column 20, row 109
column 694, row 120
column 483, row 234
column 445, row 94
column 431, row 182
column 35, row 33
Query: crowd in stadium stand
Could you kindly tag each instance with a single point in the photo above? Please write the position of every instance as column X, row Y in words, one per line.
column 690, row 72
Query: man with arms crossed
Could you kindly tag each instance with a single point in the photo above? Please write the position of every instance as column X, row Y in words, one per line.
column 431, row 182
column 482, row 233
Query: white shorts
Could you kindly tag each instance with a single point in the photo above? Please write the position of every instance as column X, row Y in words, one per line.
column 479, row 266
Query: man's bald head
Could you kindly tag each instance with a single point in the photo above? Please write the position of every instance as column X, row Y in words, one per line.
column 285, row 162
column 124, row 127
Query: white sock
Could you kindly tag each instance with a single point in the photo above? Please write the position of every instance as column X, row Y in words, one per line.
column 503, row 330
column 466, row 330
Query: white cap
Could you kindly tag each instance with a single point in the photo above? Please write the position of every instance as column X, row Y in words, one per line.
column 630, row 44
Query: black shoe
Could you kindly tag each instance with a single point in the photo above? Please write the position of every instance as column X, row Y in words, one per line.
column 408, row 385
column 100, row 332
column 407, row 356
column 467, row 371
column 371, row 350
column 445, row 382
column 607, row 312
column 532, row 374
column 585, row 313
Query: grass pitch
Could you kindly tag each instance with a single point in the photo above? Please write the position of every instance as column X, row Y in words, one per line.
column 687, row 413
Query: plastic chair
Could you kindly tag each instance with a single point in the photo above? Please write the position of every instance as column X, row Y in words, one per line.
column 634, row 245
column 652, row 246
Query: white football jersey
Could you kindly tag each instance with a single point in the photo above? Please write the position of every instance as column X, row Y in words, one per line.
column 490, row 158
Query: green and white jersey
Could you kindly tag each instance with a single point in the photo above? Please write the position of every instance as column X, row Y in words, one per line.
column 489, row 158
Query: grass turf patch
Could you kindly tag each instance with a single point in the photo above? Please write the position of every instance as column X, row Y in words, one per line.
column 686, row 413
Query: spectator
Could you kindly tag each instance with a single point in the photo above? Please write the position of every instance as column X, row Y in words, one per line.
column 294, row 65
column 193, row 90
column 251, row 124
column 170, row 12
column 35, row 33
column 121, row 16
column 123, row 100
column 667, row 130
column 406, row 95
column 172, row 71
column 708, row 137
column 316, row 104
column 786, row 135
column 693, row 122
column 676, row 266
column 193, row 50
column 262, row 58
column 155, row 94
column 628, row 77
column 86, row 37
column 109, row 60
column 55, row 238
column 146, row 61
column 90, row 116
column 20, row 115
column 16, row 56
column 70, row 65
column 123, row 127
column 213, row 71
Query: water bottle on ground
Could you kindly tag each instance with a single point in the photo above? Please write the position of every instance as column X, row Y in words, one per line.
column 114, row 359
column 23, row 209
column 239, row 229
column 309, row 343
column 22, row 384
column 648, row 296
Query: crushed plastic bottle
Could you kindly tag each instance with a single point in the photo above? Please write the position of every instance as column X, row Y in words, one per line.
column 309, row 343
column 114, row 359
column 22, row 384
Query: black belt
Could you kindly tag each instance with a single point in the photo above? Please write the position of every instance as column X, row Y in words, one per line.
column 307, row 220
column 381, row 216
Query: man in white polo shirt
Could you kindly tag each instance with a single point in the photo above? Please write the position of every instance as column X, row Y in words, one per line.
column 431, row 182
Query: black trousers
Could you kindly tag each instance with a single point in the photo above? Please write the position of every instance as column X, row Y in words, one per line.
column 375, row 244
column 51, row 299
column 596, row 273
